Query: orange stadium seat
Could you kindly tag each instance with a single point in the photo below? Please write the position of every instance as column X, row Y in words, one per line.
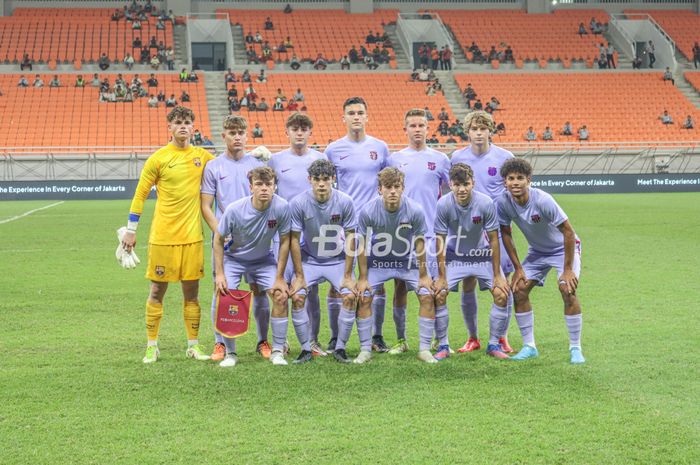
column 694, row 79
column 609, row 104
column 388, row 97
column 682, row 25
column 330, row 32
column 533, row 37
column 68, row 117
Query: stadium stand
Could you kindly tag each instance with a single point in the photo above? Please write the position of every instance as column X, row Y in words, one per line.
column 694, row 79
column 68, row 116
column 67, row 35
column 682, row 25
column 533, row 37
column 388, row 95
column 330, row 32
column 616, row 107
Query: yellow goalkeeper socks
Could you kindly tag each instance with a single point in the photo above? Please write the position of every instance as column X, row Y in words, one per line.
column 191, row 312
column 154, row 313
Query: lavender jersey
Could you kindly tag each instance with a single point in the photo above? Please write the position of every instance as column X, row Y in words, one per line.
column 426, row 172
column 391, row 233
column 227, row 180
column 252, row 230
column 538, row 220
column 486, row 167
column 465, row 226
column 357, row 165
column 322, row 225
column 291, row 170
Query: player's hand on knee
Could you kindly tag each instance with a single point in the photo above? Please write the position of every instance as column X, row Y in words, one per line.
column 350, row 285
column 221, row 285
column 500, row 284
column 518, row 280
column 280, row 289
column 426, row 283
column 568, row 282
column 439, row 286
column 298, row 284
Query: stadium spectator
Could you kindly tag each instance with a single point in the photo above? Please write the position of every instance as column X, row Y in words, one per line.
column 269, row 26
column 477, row 55
column 320, row 63
column 344, row 63
column 583, row 133
column 136, row 25
column 184, row 97
column 258, row 39
column 153, row 43
column 637, row 62
column 55, row 82
column 38, row 82
column 183, row 75
column 424, row 54
column 500, row 128
column 287, row 9
column 230, row 76
column 206, row 142
column 650, row 50
column 668, row 76
column 257, row 131
column 79, row 81
column 428, row 115
column 432, row 77
column 430, row 90
column 26, row 62
column 688, row 123
column 137, row 43
column 96, row 82
column 278, row 105
column 443, row 128
column 292, row 105
column 234, row 105
column 610, row 56
column 443, row 115
column 582, row 30
column 450, row 140
column 370, row 38
column 666, row 118
column 530, row 135
column 152, row 81
column 160, row 25
column 103, row 62
column 547, row 134
column 128, row 61
column 696, row 55
column 250, row 93
column 478, row 105
column 494, row 104
column 370, row 63
column 493, row 54
column 197, row 138
column 161, row 96
column 280, row 95
column 249, row 39
column 446, row 58
column 116, row 15
column 298, row 96
column 288, row 43
column 508, row 56
column 261, row 77
column 432, row 140
column 353, row 55
column 233, row 92
column 294, row 63
column 469, row 93
column 170, row 58
column 266, row 52
column 155, row 62
column 251, row 56
column 23, row 82
column 567, row 130
column 435, row 58
column 245, row 77
column 263, row 105
column 384, row 56
column 145, row 55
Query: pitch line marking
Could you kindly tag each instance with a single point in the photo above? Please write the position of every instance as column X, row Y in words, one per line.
column 8, row 220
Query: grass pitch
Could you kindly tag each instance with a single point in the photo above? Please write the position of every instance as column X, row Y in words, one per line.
column 75, row 391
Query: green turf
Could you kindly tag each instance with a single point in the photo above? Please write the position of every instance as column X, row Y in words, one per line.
column 74, row 389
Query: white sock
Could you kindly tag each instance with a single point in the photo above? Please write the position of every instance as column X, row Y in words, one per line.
column 333, row 304
column 442, row 321
column 378, row 307
column 526, row 322
column 192, row 342
column 152, row 343
column 497, row 320
column 574, row 324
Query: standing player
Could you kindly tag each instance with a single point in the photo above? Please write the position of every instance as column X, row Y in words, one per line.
column 392, row 229
column 251, row 223
column 463, row 217
column 175, row 244
column 486, row 160
column 291, row 167
column 358, row 158
column 325, row 219
column 225, row 181
column 426, row 172
column 552, row 244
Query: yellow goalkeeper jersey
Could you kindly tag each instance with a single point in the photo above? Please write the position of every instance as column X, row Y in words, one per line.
column 177, row 175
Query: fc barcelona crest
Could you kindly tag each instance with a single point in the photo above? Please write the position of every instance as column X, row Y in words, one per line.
column 492, row 171
column 197, row 162
column 233, row 309
column 271, row 224
column 160, row 270
column 476, row 219
column 373, row 155
column 535, row 218
column 431, row 166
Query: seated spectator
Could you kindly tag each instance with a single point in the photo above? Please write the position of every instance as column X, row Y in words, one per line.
column 161, row 96
column 668, row 76
column 478, row 105
column 666, row 118
column 153, row 82
column 249, row 39
column 433, row 140
column 245, row 77
column 38, row 82
column 119, row 91
column 184, row 97
column 443, row 128
column 268, row 24
column 145, row 55
column 263, row 105
column 103, row 62
column 153, row 43
column 23, row 82
column 493, row 54
column 451, row 140
column 258, row 39
column 508, row 56
column 547, row 134
column 104, row 85
column 494, row 104
column 116, row 15
column 55, row 82
column 251, row 56
column 160, row 25
column 155, row 62
column 192, row 77
column 370, row 38
column 25, row 63
column 287, row 8
column 292, row 105
column 431, row 75
column 530, row 135
column 234, row 105
column 120, row 80
column 500, row 128
column 230, row 76
column 95, row 81
column 469, row 92
column 252, row 106
column 582, row 30
column 278, row 105
column 128, row 61
column 233, row 92
column 206, row 142
column 430, row 90
column 320, row 63
column 244, row 101
column 137, row 43
column 250, row 92
column 266, row 52
column 428, row 115
column 583, row 133
column 288, row 43
column 108, row 96
column 370, row 63
column 344, row 63
column 197, row 138
column 423, row 74
column 136, row 25
column 79, row 81
column 129, row 97
column 353, row 55
column 281, row 48
column 298, row 96
column 136, row 81
column 567, row 129
column 261, row 77
column 257, row 131
column 688, row 123
column 294, row 63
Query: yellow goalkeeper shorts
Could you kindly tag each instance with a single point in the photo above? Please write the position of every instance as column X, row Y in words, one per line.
column 171, row 263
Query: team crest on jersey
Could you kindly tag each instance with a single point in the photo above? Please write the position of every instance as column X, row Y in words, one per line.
column 197, row 162
column 160, row 270
column 536, row 218
column 373, row 155
column 233, row 309
column 493, row 171
column 476, row 219
column 431, row 166
column 271, row 224
column 335, row 218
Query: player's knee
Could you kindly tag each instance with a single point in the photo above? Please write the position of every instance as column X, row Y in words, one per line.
column 348, row 301
column 441, row 298
column 333, row 294
column 298, row 301
column 157, row 292
column 500, row 298
column 424, row 300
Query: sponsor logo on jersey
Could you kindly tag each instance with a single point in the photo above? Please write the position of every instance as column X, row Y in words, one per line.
column 197, row 162
column 373, row 155
column 476, row 219
column 431, row 166
column 536, row 218
column 160, row 270
column 271, row 224
column 335, row 218
column 493, row 171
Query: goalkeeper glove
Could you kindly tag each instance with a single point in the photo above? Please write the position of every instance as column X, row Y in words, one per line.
column 262, row 153
column 126, row 259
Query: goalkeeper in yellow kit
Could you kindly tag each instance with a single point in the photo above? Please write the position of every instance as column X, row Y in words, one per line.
column 175, row 249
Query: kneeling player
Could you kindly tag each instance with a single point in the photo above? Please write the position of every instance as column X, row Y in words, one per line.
column 251, row 223
column 462, row 217
column 391, row 227
column 552, row 244
column 321, row 216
